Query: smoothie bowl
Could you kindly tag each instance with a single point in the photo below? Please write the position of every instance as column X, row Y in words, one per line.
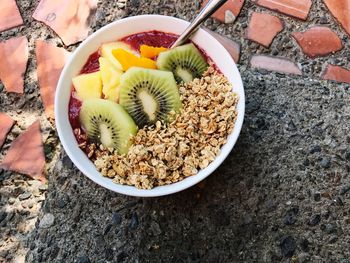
column 142, row 119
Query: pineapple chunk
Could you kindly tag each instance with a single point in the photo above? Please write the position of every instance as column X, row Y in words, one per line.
column 88, row 85
column 106, row 51
column 110, row 79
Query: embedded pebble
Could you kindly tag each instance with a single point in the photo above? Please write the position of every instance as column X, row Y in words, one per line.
column 134, row 222
column 116, row 219
column 83, row 259
column 330, row 228
column 43, row 187
column 291, row 216
column 288, row 246
column 344, row 189
column 3, row 215
column 325, row 162
column 47, row 221
column 24, row 196
column 109, row 254
column 314, row 220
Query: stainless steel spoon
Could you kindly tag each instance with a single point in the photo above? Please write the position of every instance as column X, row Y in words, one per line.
column 206, row 12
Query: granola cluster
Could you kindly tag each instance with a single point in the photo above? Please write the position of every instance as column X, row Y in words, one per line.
column 166, row 153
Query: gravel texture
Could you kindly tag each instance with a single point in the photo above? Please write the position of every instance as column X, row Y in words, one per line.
column 282, row 195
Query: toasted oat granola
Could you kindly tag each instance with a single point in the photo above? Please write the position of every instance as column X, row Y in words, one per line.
column 166, row 153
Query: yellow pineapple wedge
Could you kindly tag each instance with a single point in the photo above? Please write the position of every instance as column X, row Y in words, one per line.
column 106, row 52
column 110, row 79
column 88, row 85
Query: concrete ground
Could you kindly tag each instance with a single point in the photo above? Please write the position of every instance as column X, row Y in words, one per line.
column 282, row 195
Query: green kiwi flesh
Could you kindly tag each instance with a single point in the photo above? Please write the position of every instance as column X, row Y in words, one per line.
column 186, row 62
column 108, row 123
column 149, row 95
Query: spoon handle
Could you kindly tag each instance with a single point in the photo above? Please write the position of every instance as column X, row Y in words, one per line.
column 207, row 11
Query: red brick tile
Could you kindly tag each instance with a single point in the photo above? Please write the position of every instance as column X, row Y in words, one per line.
column 263, row 28
column 69, row 19
column 296, row 8
column 337, row 73
column 13, row 63
column 26, row 154
column 228, row 12
column 50, row 61
column 281, row 65
column 9, row 15
column 318, row 41
column 340, row 9
column 6, row 124
column 231, row 46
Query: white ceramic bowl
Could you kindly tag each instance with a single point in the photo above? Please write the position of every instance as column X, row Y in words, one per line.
column 115, row 31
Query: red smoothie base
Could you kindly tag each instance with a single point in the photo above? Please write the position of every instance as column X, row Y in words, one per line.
column 150, row 38
column 92, row 64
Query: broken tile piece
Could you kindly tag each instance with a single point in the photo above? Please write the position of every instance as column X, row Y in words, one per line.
column 9, row 15
column 13, row 63
column 263, row 28
column 231, row 46
column 337, row 73
column 50, row 61
column 6, row 124
column 296, row 8
column 26, row 154
column 318, row 41
column 278, row 64
column 228, row 12
column 340, row 9
column 69, row 19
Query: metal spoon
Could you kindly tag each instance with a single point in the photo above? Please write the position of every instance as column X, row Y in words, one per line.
column 206, row 12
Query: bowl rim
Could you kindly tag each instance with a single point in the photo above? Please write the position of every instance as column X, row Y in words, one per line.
column 171, row 188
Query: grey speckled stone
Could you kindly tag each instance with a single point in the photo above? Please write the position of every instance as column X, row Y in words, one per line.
column 47, row 221
column 246, row 207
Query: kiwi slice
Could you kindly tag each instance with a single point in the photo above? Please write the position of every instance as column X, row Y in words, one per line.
column 149, row 95
column 186, row 62
column 108, row 123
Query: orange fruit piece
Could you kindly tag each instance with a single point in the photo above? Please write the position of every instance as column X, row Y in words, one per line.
column 128, row 60
column 151, row 52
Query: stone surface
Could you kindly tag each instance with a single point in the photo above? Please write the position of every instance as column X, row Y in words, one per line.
column 337, row 73
column 13, row 65
column 318, row 41
column 69, row 19
column 268, row 178
column 228, row 12
column 281, row 65
column 26, row 154
column 231, row 46
column 299, row 9
column 239, row 213
column 263, row 28
column 9, row 15
column 50, row 61
column 6, row 123
column 340, row 9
